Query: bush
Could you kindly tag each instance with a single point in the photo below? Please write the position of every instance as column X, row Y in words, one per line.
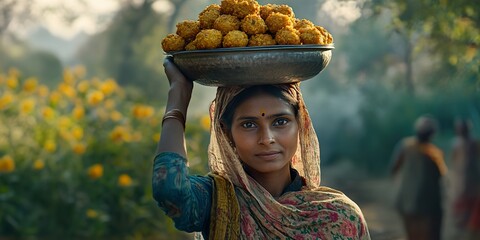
column 76, row 160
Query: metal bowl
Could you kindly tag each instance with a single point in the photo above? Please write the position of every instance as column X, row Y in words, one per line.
column 253, row 65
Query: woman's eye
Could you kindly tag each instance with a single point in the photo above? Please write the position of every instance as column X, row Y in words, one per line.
column 248, row 124
column 280, row 122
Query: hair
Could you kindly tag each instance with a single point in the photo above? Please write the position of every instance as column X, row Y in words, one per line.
column 463, row 127
column 255, row 90
column 425, row 128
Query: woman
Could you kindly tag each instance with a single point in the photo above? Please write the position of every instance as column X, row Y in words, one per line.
column 420, row 166
column 265, row 169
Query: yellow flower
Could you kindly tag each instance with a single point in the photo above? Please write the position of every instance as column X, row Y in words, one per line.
column 83, row 86
column 55, row 97
column 26, row 106
column 43, row 91
column 116, row 116
column 12, row 82
column 205, row 122
column 108, row 87
column 48, row 113
column 6, row 100
column 80, row 71
column 30, row 85
column 50, row 146
column 136, row 137
column 95, row 171
column 78, row 112
column 470, row 53
column 156, row 137
column 120, row 133
column 7, row 164
column 453, row 60
column 65, row 135
column 109, row 104
column 102, row 114
column 79, row 148
column 68, row 77
column 124, row 180
column 67, row 90
column 95, row 97
column 38, row 164
column 91, row 213
column 77, row 133
column 142, row 111
column 64, row 122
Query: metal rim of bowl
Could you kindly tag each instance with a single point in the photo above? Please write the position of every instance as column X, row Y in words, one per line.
column 212, row 61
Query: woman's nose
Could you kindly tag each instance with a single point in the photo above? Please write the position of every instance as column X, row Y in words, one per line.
column 266, row 137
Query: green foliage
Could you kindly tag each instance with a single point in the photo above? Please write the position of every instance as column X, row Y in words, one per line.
column 129, row 50
column 448, row 30
column 31, row 62
column 76, row 160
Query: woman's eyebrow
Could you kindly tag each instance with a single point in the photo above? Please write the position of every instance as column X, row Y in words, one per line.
column 280, row 114
column 243, row 118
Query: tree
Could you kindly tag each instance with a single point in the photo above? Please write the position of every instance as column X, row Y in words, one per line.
column 129, row 50
column 448, row 30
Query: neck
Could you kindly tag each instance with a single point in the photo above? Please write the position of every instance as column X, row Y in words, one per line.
column 274, row 182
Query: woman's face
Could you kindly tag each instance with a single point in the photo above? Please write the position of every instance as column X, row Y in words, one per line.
column 265, row 133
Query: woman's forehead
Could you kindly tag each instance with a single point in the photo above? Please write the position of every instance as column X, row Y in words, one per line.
column 263, row 104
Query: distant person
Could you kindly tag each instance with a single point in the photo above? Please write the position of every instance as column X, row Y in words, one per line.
column 466, row 179
column 419, row 164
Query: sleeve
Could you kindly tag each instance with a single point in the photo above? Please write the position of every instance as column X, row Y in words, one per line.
column 184, row 198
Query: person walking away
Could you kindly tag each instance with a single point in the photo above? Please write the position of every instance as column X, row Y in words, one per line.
column 419, row 166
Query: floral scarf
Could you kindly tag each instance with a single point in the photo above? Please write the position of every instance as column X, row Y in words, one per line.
column 313, row 213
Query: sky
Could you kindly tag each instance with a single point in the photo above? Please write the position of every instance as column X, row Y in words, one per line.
column 90, row 15
column 86, row 22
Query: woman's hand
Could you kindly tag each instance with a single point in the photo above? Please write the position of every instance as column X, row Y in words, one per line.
column 176, row 77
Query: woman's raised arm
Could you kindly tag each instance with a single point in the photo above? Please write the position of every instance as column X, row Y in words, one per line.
column 172, row 138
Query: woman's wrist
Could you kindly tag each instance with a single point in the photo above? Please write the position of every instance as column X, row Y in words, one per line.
column 178, row 98
column 175, row 114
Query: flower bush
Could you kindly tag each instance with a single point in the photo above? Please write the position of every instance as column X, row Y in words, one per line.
column 76, row 159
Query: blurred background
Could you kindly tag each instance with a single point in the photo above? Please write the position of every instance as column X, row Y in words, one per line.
column 82, row 92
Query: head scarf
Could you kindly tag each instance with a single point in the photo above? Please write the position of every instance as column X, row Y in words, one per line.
column 224, row 161
column 312, row 213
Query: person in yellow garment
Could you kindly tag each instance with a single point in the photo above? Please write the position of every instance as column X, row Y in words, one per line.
column 420, row 166
column 265, row 169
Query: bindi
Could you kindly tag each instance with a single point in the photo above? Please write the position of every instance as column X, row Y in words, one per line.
column 262, row 112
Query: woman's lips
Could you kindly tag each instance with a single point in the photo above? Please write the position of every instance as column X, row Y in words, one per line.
column 268, row 155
